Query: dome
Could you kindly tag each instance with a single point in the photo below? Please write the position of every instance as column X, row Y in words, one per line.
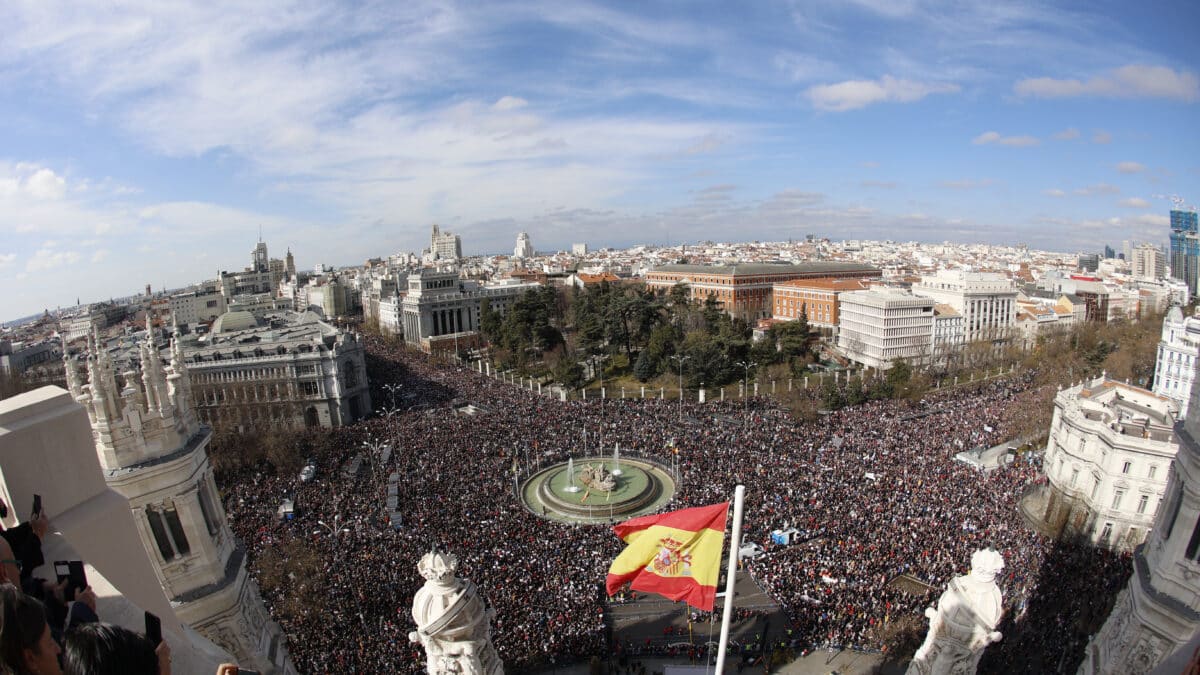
column 231, row 322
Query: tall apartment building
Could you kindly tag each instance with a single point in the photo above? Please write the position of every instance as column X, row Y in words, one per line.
column 440, row 305
column 1185, row 248
column 1148, row 262
column 1106, row 462
column 987, row 301
column 878, row 326
column 1178, row 354
column 745, row 290
column 1155, row 619
column 444, row 245
column 524, row 247
column 154, row 453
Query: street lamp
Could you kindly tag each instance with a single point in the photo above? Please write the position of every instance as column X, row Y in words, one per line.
column 391, row 389
column 679, row 359
column 747, row 365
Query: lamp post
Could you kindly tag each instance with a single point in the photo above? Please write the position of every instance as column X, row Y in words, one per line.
column 374, row 447
column 679, row 359
column 747, row 365
column 391, row 389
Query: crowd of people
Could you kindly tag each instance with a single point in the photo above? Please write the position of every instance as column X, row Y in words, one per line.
column 919, row 513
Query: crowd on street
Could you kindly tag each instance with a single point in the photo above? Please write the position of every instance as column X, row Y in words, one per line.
column 875, row 486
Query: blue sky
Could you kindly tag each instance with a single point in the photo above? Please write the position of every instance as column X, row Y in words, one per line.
column 147, row 142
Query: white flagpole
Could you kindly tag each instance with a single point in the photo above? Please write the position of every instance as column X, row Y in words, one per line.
column 739, row 496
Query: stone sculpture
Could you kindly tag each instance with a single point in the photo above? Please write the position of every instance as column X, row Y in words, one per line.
column 453, row 624
column 597, row 478
column 964, row 622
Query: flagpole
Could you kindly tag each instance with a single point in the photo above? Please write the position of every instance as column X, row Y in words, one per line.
column 739, row 497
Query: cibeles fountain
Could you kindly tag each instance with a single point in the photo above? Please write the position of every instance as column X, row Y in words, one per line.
column 596, row 489
column 453, row 623
column 964, row 622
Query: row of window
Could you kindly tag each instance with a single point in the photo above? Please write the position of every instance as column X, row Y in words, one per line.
column 167, row 528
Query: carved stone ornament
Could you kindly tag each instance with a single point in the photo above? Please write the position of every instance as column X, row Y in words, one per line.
column 963, row 623
column 597, row 478
column 453, row 624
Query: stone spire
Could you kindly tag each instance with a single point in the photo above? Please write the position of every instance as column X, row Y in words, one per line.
column 155, row 455
column 453, row 623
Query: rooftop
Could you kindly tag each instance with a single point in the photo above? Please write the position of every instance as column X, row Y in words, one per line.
column 740, row 269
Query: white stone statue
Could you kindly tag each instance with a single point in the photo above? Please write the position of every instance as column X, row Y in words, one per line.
column 453, row 624
column 964, row 622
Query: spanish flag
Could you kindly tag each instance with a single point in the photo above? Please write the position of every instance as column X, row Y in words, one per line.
column 676, row 554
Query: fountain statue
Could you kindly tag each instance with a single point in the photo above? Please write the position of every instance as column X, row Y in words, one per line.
column 453, row 624
column 571, row 486
column 964, row 622
column 597, row 478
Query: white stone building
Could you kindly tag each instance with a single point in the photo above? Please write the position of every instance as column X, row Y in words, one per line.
column 947, row 332
column 986, row 300
column 1106, row 462
column 1148, row 262
column 1158, row 612
column 286, row 371
column 444, row 245
column 439, row 304
column 878, row 326
column 154, row 453
column 196, row 306
column 524, row 248
column 1175, row 367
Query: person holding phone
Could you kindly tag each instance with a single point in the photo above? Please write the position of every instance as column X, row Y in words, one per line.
column 26, row 644
column 109, row 649
column 26, row 539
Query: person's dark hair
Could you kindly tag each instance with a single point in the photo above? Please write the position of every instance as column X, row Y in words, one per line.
column 24, row 623
column 107, row 649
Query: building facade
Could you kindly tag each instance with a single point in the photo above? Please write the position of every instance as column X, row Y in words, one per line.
column 987, row 301
column 444, row 245
column 1106, row 462
column 878, row 326
column 524, row 248
column 196, row 306
column 439, row 304
column 290, row 371
column 1185, row 248
column 1175, row 367
column 817, row 299
column 1158, row 612
column 745, row 291
column 1147, row 262
column 947, row 338
column 154, row 453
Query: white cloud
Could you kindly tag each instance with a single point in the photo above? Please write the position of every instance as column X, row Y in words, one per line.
column 1098, row 189
column 1135, row 203
column 509, row 103
column 1054, row 192
column 967, row 183
column 1153, row 220
column 99, row 255
column 1070, row 133
column 7, row 259
column 854, row 94
column 1132, row 81
column 1102, row 138
column 47, row 259
column 990, row 137
column 45, row 184
column 1131, row 167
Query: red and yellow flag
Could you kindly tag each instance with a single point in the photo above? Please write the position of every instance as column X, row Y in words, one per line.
column 676, row 554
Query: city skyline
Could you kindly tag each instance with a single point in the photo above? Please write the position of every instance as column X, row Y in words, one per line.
column 148, row 144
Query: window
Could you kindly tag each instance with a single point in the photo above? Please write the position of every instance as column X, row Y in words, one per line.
column 1126, row 466
column 168, row 531
column 1074, row 477
column 1142, row 502
column 206, row 508
column 1153, row 470
column 1095, row 487
column 1106, row 532
column 1193, row 546
column 1176, row 502
column 1117, row 497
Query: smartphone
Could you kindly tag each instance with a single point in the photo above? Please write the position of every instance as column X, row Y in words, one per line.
column 62, row 570
column 78, row 575
column 153, row 629
column 37, row 505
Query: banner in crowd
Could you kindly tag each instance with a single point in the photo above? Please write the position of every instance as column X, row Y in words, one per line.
column 676, row 555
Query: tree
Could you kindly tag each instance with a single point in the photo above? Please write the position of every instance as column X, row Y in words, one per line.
column 489, row 320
